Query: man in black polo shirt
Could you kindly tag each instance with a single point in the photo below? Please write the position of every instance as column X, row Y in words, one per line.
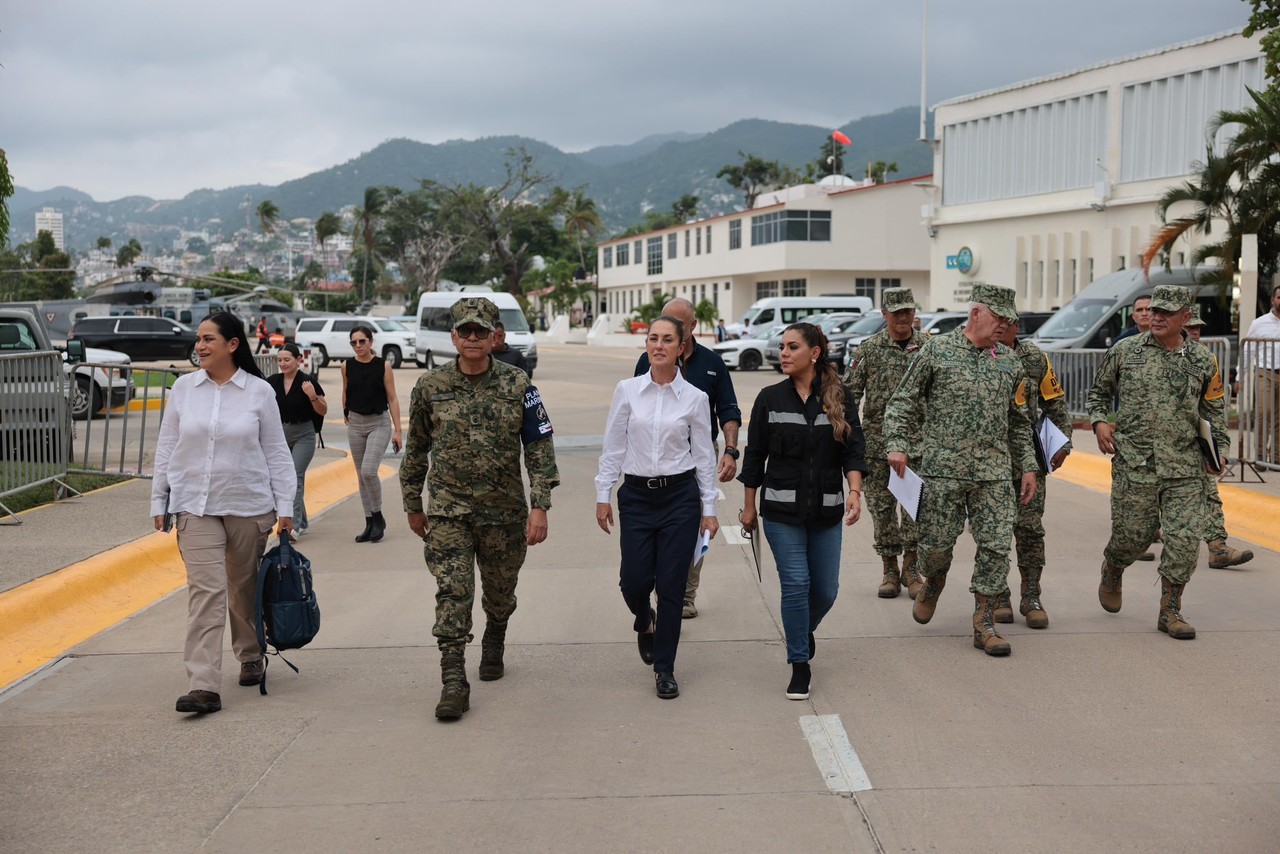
column 705, row 370
column 504, row 352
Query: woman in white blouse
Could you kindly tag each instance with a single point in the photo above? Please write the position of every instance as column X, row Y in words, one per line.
column 658, row 439
column 224, row 470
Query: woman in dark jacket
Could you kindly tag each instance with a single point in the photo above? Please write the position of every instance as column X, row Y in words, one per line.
column 804, row 443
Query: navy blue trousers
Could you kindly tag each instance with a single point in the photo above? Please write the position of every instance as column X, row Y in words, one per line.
column 659, row 528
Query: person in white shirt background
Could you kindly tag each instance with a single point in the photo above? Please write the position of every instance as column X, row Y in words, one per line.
column 1263, row 358
column 658, row 439
column 223, row 468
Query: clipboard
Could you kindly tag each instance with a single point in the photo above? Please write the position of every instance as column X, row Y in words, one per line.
column 908, row 489
column 1208, row 446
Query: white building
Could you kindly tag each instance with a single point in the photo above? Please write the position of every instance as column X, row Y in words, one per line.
column 50, row 220
column 1048, row 184
column 809, row 240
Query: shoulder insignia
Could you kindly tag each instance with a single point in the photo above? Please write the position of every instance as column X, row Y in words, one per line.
column 1050, row 388
column 1214, row 391
column 1020, row 396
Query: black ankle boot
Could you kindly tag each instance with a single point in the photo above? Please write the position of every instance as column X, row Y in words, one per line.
column 363, row 536
column 379, row 527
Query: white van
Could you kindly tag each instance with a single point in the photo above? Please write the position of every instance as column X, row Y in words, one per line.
column 773, row 311
column 435, row 322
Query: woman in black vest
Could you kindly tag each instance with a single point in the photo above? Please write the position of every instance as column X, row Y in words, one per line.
column 368, row 394
column 804, row 444
column 302, row 404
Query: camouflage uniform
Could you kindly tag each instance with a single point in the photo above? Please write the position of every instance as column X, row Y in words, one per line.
column 465, row 437
column 957, row 398
column 876, row 371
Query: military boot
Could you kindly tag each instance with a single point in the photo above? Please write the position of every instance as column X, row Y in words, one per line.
column 1030, row 606
column 927, row 600
column 889, row 584
column 1003, row 612
column 1109, row 588
column 1222, row 555
column 985, row 636
column 492, row 645
column 910, row 575
column 455, row 698
column 1171, row 621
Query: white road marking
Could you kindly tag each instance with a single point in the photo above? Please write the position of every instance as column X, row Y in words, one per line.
column 835, row 757
column 733, row 535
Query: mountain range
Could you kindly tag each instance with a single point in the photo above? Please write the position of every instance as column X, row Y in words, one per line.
column 624, row 180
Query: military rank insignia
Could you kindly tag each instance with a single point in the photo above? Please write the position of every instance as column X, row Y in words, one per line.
column 536, row 424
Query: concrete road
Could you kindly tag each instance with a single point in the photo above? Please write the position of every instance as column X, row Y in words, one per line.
column 1099, row 733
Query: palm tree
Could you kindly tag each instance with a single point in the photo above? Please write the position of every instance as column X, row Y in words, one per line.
column 581, row 219
column 104, row 243
column 366, row 229
column 326, row 226
column 268, row 217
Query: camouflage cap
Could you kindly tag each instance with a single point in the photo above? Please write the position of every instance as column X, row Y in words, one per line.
column 1171, row 298
column 996, row 298
column 477, row 310
column 1195, row 316
column 896, row 299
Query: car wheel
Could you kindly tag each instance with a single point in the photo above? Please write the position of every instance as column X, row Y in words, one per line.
column 427, row 363
column 85, row 399
column 391, row 355
column 193, row 357
column 749, row 360
column 320, row 358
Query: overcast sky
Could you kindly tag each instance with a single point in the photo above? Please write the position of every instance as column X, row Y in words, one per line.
column 160, row 98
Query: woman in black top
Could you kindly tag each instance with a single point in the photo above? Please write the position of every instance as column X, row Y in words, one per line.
column 804, row 443
column 302, row 405
column 368, row 393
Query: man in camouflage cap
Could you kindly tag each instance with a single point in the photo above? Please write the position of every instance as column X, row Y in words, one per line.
column 875, row 368
column 1165, row 384
column 963, row 395
column 468, row 423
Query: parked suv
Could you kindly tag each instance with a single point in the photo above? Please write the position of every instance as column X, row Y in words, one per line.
column 143, row 338
column 329, row 338
column 98, row 378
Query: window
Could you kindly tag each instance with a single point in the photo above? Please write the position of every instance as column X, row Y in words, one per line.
column 687, row 240
column 673, row 245
column 1057, row 279
column 608, row 257
column 624, row 254
column 1120, row 263
column 310, row 325
column 708, row 240
column 790, row 225
column 344, row 325
column 764, row 290
column 715, row 294
column 133, row 324
column 1040, row 279
column 655, row 256
column 735, row 234
column 794, row 287
column 698, row 241
column 865, row 288
column 639, row 252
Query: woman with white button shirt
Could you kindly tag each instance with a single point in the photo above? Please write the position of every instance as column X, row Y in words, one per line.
column 658, row 438
column 223, row 468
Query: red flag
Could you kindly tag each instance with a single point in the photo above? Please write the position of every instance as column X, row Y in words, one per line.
column 841, row 138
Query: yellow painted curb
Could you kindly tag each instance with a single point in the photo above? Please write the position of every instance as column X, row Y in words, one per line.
column 1250, row 515
column 42, row 619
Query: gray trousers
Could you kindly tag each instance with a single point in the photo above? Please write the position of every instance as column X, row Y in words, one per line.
column 302, row 445
column 368, row 436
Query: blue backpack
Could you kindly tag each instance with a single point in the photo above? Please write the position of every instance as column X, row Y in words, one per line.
column 285, row 610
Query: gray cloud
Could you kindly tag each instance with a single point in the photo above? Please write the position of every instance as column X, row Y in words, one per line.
column 161, row 98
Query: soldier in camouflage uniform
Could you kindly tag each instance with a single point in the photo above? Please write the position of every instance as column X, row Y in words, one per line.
column 876, row 367
column 468, row 421
column 964, row 395
column 1044, row 394
column 1166, row 384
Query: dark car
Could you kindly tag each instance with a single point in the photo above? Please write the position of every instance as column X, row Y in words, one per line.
column 841, row 344
column 141, row 338
column 1030, row 321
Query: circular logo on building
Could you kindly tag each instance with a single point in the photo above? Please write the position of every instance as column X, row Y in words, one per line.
column 967, row 261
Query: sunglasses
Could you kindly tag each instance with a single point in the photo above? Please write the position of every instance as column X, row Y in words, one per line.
column 359, row 342
column 472, row 331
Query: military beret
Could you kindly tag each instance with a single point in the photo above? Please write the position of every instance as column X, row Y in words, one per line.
column 1171, row 298
column 996, row 298
column 477, row 310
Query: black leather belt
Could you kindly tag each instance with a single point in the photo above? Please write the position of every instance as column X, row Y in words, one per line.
column 659, row 482
column 307, row 421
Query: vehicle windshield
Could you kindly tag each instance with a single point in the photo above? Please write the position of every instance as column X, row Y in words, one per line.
column 1075, row 318
column 749, row 316
column 513, row 320
column 766, row 333
column 868, row 325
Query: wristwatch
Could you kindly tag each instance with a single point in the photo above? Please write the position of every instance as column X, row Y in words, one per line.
column 731, row 452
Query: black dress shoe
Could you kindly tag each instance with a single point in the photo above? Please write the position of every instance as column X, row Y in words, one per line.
column 667, row 687
column 644, row 640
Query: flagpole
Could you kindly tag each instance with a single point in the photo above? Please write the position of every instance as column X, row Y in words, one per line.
column 924, row 69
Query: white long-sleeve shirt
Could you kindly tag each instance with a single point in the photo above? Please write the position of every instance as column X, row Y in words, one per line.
column 1263, row 354
column 222, row 451
column 655, row 430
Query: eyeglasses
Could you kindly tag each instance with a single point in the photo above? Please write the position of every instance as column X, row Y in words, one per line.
column 473, row 331
column 359, row 342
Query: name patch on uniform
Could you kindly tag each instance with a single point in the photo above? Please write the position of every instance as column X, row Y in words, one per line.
column 536, row 424
column 444, row 395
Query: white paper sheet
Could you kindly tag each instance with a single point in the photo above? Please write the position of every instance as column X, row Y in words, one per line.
column 1051, row 440
column 700, row 549
column 907, row 489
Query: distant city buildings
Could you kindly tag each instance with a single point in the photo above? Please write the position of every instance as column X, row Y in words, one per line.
column 50, row 220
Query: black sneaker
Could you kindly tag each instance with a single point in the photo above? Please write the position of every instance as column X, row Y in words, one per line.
column 200, row 702
column 798, row 688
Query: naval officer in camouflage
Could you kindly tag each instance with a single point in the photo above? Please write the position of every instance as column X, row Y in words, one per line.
column 875, row 369
column 964, row 396
column 1166, row 384
column 1045, row 396
column 469, row 420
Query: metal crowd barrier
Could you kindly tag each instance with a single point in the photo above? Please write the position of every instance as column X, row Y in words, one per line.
column 35, row 424
column 1259, row 402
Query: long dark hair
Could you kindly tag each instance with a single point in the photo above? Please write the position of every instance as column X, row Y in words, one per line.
column 828, row 379
column 231, row 328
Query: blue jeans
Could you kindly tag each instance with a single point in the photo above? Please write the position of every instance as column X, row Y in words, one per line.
column 808, row 560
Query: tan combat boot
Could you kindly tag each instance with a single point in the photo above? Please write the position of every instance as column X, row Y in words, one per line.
column 1109, row 588
column 455, row 698
column 1003, row 608
column 910, row 575
column 889, row 584
column 1030, row 606
column 1170, row 620
column 492, row 646
column 1222, row 555
column 985, row 636
column 927, row 600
